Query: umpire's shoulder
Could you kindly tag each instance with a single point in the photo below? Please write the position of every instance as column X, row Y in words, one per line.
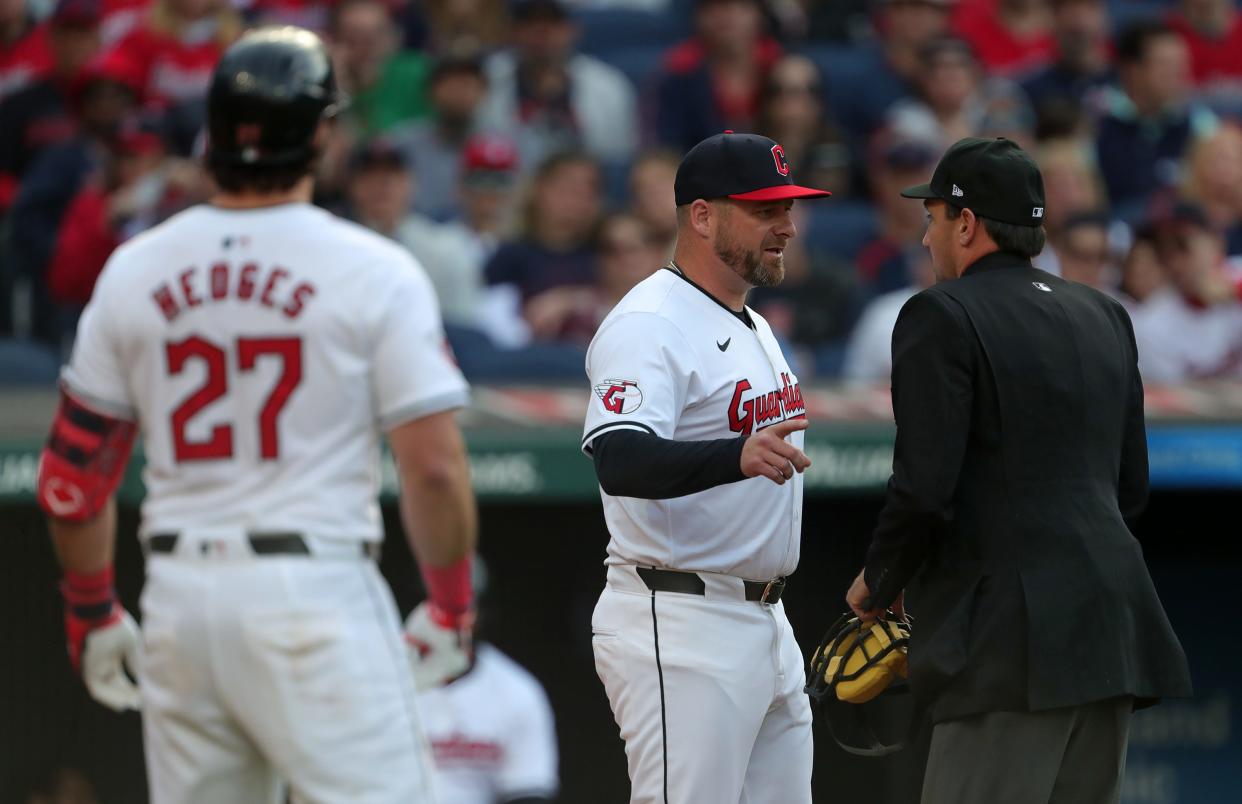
column 932, row 308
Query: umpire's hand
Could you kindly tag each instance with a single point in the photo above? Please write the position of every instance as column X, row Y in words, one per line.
column 767, row 453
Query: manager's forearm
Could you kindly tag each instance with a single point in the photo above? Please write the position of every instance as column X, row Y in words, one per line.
column 630, row 463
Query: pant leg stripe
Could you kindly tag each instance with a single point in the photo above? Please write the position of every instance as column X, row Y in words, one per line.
column 663, row 714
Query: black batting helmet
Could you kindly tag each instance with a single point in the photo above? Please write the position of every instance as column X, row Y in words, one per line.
column 268, row 94
column 856, row 680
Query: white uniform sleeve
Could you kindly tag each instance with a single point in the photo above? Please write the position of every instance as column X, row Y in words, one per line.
column 530, row 756
column 640, row 368
column 414, row 373
column 95, row 374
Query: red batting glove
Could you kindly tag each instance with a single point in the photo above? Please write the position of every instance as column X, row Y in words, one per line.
column 90, row 604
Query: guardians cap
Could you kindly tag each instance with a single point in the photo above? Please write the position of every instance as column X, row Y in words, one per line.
column 744, row 167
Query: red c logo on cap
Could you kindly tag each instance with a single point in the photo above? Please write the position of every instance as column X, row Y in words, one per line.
column 782, row 164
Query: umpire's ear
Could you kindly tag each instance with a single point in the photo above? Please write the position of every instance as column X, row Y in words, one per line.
column 969, row 226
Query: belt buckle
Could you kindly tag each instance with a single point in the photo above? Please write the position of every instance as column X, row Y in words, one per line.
column 778, row 583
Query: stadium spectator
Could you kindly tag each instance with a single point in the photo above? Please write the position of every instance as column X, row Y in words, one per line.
column 626, row 254
column 651, row 196
column 174, row 48
column 25, row 53
column 380, row 186
column 552, row 98
column 842, row 21
column 791, row 111
column 1149, row 124
column 711, row 82
column 1141, row 272
column 898, row 158
column 1009, row 36
column 433, row 147
column 313, row 15
column 54, row 178
column 39, row 114
column 385, row 83
column 955, row 97
column 869, row 354
column 453, row 25
column 487, row 179
column 1072, row 185
column 1084, row 251
column 553, row 252
column 1213, row 179
column 136, row 188
column 1212, row 31
column 1190, row 329
column 1067, row 94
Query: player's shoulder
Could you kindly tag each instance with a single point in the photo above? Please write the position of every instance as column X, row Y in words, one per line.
column 649, row 312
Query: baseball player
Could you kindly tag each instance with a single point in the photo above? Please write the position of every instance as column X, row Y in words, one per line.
column 491, row 729
column 695, row 427
column 260, row 346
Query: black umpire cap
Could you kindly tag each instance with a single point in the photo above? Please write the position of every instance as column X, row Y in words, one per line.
column 993, row 178
column 745, row 167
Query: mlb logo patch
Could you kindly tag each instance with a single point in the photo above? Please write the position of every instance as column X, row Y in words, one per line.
column 1042, row 286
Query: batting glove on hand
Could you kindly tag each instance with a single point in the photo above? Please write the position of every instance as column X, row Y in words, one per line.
column 101, row 639
column 441, row 644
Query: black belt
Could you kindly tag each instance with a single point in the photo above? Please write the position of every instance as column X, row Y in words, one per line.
column 263, row 543
column 688, row 583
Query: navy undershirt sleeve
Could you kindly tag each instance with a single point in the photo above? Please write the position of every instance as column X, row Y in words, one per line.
column 631, row 463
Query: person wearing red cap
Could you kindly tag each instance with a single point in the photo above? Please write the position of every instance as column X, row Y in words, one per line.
column 695, row 428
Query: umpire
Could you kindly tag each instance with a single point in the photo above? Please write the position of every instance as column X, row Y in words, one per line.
column 1020, row 456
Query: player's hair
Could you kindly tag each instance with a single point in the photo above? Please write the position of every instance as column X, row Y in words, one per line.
column 260, row 178
column 1025, row 240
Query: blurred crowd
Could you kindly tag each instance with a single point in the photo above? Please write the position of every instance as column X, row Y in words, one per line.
column 524, row 151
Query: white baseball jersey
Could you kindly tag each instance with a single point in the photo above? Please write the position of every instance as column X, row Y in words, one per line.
column 261, row 351
column 1178, row 342
column 673, row 361
column 491, row 733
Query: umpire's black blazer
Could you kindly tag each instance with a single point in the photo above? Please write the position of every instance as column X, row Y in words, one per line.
column 1020, row 453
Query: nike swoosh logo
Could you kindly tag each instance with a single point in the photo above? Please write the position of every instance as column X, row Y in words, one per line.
column 725, row 345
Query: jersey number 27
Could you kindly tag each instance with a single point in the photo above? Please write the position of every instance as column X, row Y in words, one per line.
column 219, row 444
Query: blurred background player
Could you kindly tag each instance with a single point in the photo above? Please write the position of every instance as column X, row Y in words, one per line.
column 261, row 346
column 491, row 729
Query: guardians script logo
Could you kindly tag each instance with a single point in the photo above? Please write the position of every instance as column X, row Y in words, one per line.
column 749, row 414
column 619, row 396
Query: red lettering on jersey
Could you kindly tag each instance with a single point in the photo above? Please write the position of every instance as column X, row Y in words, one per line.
column 741, row 414
column 191, row 300
column 219, row 281
column 298, row 299
column 167, row 304
column 276, row 275
column 245, row 282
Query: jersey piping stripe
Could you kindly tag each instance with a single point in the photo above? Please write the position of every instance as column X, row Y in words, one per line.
column 655, row 629
column 614, row 426
column 743, row 316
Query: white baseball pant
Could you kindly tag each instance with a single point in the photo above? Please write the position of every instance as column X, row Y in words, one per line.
column 707, row 692
column 266, row 668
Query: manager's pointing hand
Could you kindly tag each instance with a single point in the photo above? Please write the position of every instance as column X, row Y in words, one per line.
column 767, row 453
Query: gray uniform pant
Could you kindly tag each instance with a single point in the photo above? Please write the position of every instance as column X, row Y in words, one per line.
column 1074, row 755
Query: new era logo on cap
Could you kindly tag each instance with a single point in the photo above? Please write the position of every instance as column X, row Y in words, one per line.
column 957, row 191
column 1037, row 212
column 744, row 167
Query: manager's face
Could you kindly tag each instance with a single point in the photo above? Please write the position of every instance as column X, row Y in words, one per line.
column 751, row 237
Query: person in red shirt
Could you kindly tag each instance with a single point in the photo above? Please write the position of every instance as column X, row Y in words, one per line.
column 1009, row 36
column 1212, row 31
column 25, row 53
column 176, row 47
